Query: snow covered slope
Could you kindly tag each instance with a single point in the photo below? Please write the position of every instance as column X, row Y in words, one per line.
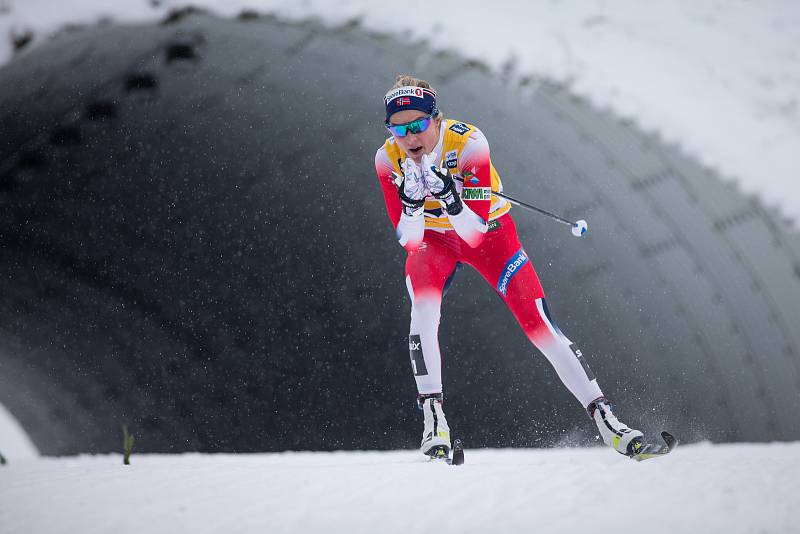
column 720, row 79
column 699, row 488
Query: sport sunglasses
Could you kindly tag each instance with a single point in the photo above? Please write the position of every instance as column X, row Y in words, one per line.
column 414, row 127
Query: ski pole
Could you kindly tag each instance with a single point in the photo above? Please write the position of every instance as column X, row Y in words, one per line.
column 579, row 227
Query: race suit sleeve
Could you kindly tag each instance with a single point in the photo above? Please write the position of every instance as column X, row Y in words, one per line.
column 410, row 230
column 476, row 194
column 476, row 163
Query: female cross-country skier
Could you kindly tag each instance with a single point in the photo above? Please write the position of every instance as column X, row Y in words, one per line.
column 438, row 182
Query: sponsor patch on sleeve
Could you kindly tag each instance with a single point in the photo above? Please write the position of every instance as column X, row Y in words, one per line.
column 471, row 177
column 476, row 193
column 451, row 159
column 459, row 128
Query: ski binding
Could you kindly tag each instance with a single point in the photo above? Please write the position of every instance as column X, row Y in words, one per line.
column 652, row 450
column 443, row 454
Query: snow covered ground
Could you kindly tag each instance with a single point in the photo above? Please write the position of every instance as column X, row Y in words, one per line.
column 720, row 78
column 706, row 488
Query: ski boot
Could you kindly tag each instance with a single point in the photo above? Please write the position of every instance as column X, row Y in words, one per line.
column 436, row 436
column 616, row 435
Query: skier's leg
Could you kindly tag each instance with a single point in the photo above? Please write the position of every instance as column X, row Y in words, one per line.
column 506, row 265
column 567, row 359
column 503, row 263
column 429, row 271
column 575, row 373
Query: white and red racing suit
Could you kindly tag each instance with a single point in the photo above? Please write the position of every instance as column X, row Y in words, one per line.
column 496, row 254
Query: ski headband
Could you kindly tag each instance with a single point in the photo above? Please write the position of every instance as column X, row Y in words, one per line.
column 410, row 97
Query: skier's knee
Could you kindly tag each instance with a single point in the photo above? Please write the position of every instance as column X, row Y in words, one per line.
column 425, row 311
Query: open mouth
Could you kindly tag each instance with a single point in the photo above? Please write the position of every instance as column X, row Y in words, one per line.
column 415, row 151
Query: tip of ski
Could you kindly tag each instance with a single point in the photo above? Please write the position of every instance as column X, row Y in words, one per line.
column 458, row 453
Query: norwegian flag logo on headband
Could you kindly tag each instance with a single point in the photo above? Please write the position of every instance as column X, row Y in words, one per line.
column 410, row 97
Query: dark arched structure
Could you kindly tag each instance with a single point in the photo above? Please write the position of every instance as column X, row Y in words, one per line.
column 194, row 243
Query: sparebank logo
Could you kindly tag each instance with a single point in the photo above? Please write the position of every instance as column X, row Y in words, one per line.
column 512, row 268
column 403, row 91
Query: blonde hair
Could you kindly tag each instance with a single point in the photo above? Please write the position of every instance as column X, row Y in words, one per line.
column 402, row 80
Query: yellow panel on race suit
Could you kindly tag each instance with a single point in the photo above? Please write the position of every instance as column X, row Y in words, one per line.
column 456, row 135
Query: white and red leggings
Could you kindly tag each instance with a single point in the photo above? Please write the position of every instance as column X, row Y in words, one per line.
column 505, row 266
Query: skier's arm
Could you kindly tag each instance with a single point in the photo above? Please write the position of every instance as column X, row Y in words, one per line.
column 469, row 211
column 410, row 229
column 465, row 222
column 476, row 170
column 470, row 221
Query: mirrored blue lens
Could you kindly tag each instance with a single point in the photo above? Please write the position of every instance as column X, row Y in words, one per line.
column 414, row 127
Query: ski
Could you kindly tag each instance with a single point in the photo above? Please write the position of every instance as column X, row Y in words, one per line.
column 458, row 453
column 652, row 450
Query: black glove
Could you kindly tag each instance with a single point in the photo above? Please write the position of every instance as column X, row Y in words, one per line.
column 411, row 187
column 441, row 186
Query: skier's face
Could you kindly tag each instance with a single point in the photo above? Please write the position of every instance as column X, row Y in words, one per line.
column 416, row 144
